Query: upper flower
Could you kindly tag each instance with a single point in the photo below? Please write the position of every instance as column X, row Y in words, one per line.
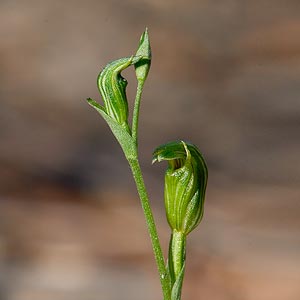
column 112, row 87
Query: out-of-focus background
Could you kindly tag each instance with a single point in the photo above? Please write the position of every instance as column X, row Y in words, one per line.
column 225, row 75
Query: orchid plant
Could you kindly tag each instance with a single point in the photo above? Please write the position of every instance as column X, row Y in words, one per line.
column 185, row 177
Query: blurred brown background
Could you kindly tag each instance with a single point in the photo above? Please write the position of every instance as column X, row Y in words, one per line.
column 225, row 75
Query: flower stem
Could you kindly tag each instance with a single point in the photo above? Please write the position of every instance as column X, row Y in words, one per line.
column 138, row 177
column 136, row 110
column 176, row 254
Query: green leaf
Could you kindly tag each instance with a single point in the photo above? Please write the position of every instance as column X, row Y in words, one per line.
column 121, row 134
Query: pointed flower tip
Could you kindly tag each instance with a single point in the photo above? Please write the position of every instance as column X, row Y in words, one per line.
column 145, row 36
column 144, row 48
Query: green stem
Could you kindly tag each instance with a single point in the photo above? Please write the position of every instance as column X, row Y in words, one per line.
column 136, row 109
column 176, row 254
column 138, row 177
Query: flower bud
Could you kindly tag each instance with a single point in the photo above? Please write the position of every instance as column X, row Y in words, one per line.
column 112, row 87
column 185, row 184
column 144, row 50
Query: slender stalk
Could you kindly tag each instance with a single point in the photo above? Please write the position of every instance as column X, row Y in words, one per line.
column 176, row 254
column 136, row 110
column 159, row 258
